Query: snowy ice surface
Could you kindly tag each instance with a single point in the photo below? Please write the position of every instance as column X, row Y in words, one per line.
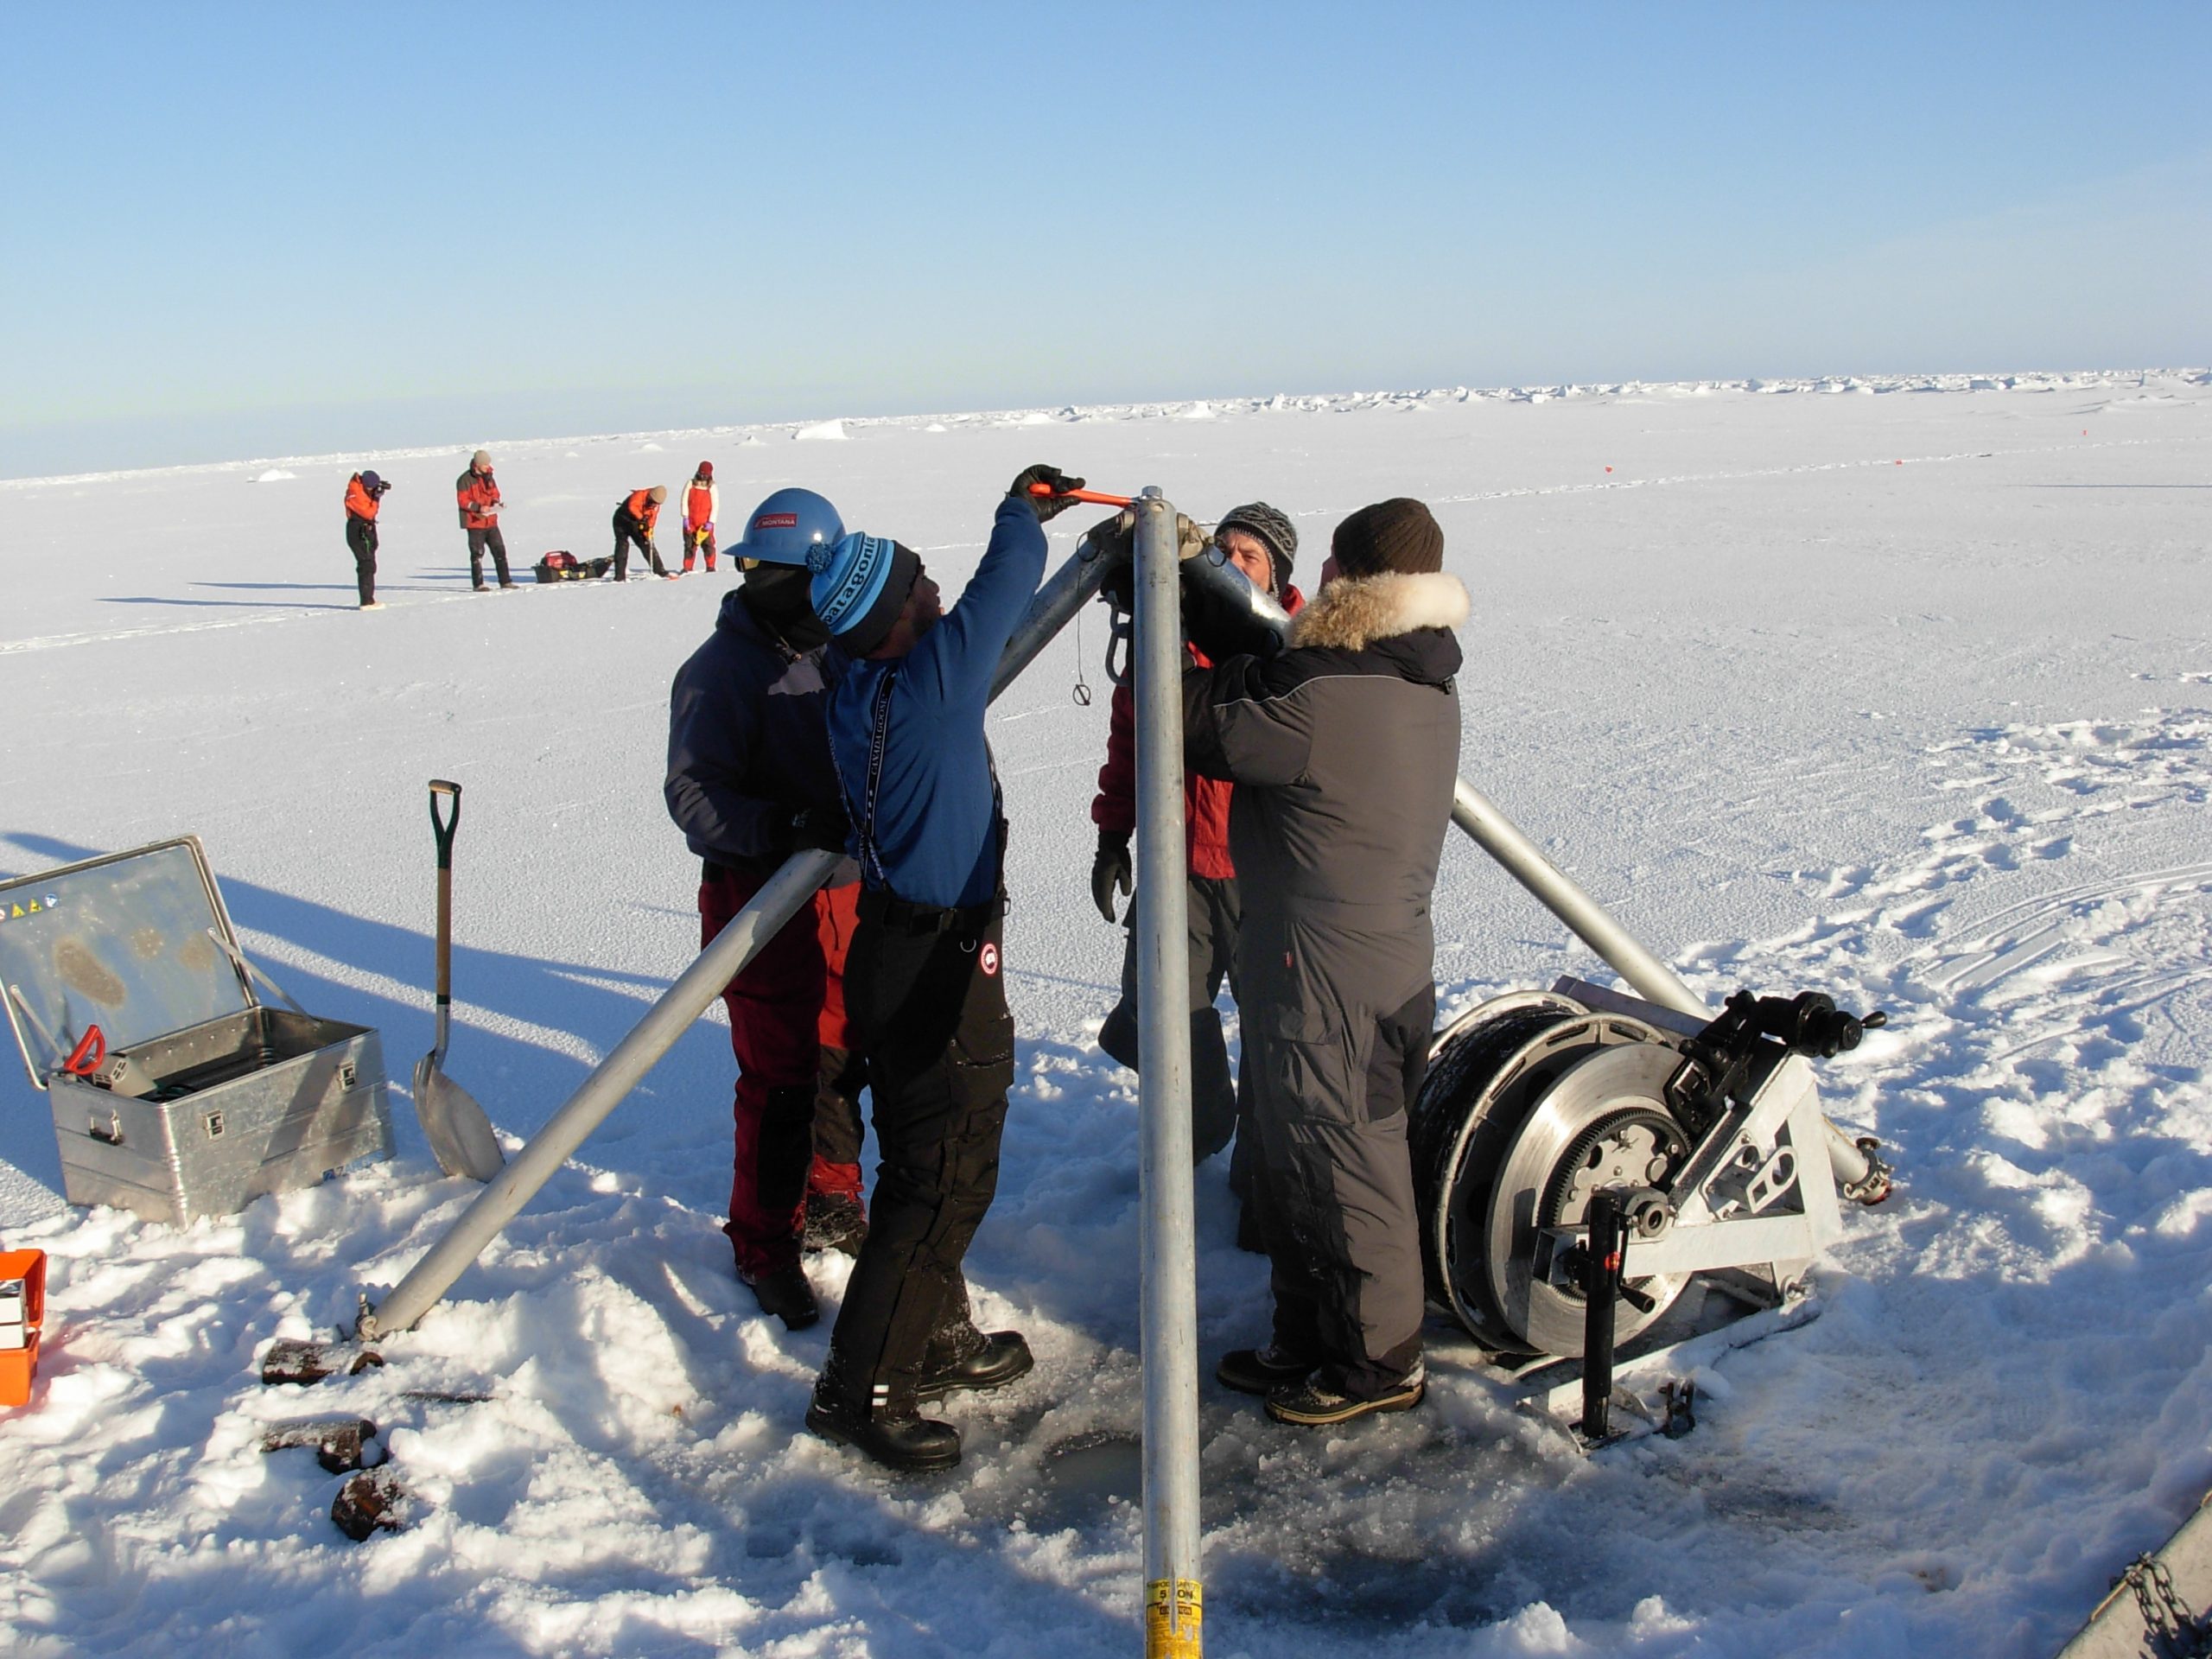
column 1897, row 687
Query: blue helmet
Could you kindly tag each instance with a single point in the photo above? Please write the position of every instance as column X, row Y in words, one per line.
column 859, row 587
column 786, row 524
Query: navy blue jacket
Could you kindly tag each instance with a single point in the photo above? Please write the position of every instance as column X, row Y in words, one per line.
column 935, row 828
column 747, row 748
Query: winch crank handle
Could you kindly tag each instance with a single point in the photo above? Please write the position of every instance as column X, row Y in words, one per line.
column 1099, row 497
column 444, row 828
column 89, row 1055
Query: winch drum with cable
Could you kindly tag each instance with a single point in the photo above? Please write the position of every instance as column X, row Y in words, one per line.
column 1532, row 1103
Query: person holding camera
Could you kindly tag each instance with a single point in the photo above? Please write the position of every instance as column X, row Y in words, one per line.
column 363, row 495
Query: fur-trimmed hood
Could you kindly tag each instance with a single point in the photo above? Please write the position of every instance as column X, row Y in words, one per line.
column 1352, row 611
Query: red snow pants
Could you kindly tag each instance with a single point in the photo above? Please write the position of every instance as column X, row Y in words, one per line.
column 798, row 1128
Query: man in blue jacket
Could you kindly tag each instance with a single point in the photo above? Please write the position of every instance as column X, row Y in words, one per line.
column 925, row 983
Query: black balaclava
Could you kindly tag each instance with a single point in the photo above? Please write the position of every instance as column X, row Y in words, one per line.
column 777, row 596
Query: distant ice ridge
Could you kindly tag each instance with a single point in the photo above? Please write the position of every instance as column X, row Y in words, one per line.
column 275, row 469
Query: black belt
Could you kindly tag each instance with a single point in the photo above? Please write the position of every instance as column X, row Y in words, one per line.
column 886, row 909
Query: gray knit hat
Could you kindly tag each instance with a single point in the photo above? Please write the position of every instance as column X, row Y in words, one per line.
column 1273, row 526
column 481, row 458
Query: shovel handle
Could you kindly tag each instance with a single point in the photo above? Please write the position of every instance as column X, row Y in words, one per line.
column 442, row 827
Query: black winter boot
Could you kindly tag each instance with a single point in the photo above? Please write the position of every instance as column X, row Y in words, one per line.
column 992, row 1362
column 784, row 1292
column 1260, row 1371
column 1317, row 1400
column 897, row 1439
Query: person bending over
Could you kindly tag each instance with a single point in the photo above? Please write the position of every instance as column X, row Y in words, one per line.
column 635, row 515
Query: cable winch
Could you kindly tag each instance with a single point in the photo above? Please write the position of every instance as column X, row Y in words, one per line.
column 1702, row 1143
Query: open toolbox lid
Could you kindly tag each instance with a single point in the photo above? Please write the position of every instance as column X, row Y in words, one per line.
column 137, row 944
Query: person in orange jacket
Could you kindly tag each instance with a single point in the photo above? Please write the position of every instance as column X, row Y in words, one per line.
column 364, row 495
column 478, row 493
column 703, row 501
column 634, row 520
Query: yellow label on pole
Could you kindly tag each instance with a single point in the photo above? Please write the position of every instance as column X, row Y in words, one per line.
column 1173, row 1612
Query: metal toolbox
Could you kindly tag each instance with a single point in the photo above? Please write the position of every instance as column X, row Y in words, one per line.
column 176, row 1091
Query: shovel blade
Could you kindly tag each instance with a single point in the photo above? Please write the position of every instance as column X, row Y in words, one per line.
column 460, row 1133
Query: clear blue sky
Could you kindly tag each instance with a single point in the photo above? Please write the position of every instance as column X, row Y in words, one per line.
column 232, row 230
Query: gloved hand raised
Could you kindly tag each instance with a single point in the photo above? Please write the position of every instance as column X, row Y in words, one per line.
column 1110, row 871
column 825, row 828
column 1047, row 506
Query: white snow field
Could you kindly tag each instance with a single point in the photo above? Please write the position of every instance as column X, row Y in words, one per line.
column 1896, row 689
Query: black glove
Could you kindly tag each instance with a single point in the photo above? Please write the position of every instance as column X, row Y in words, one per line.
column 1046, row 505
column 1109, row 870
column 823, row 827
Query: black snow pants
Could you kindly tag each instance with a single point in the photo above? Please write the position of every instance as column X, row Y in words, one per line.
column 1332, row 1076
column 1218, row 1103
column 925, row 992
column 627, row 531
column 361, row 537
column 479, row 541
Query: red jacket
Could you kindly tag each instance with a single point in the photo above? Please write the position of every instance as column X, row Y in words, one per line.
column 360, row 504
column 641, row 507
column 699, row 504
column 1205, row 800
column 478, row 497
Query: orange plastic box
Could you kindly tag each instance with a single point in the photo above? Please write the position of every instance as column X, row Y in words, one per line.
column 23, row 1273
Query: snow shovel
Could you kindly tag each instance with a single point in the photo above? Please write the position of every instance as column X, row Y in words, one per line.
column 460, row 1134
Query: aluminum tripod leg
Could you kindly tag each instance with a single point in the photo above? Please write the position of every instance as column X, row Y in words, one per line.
column 426, row 1283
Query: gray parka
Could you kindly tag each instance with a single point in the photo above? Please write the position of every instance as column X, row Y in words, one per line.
column 1344, row 748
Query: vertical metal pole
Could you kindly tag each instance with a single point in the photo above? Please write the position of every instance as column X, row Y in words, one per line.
column 1173, row 1604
